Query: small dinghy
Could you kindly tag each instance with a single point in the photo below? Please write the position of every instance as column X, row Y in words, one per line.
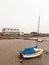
column 30, row 54
column 33, row 51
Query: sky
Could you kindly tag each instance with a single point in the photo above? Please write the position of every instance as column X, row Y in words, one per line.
column 23, row 15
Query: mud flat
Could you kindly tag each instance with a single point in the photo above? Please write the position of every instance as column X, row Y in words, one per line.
column 9, row 52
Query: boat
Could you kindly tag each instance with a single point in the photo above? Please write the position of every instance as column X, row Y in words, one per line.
column 40, row 40
column 32, row 51
column 36, row 54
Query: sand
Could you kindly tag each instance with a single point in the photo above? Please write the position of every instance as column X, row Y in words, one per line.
column 9, row 52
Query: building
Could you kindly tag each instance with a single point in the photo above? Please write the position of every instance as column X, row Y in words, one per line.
column 10, row 31
column 34, row 33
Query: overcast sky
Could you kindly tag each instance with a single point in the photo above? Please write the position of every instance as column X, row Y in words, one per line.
column 23, row 14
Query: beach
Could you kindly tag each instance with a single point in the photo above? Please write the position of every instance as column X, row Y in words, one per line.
column 10, row 49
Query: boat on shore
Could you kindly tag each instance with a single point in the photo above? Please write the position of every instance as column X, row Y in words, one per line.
column 33, row 51
column 36, row 54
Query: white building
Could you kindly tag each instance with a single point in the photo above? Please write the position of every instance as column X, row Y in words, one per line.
column 10, row 31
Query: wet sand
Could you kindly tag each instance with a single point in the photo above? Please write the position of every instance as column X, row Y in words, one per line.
column 9, row 52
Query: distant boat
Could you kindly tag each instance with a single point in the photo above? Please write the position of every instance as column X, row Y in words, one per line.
column 40, row 40
column 33, row 51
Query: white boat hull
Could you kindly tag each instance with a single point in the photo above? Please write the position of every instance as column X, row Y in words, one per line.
column 38, row 53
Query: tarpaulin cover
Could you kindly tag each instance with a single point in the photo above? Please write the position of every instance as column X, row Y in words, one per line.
column 28, row 51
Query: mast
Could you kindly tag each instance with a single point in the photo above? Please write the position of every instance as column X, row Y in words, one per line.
column 38, row 30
